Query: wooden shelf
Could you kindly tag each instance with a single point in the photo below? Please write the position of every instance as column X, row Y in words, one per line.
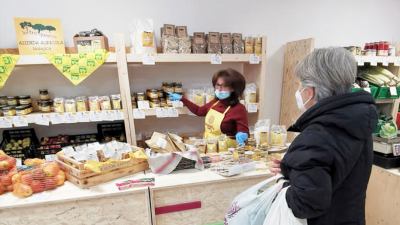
column 42, row 60
column 374, row 60
column 190, row 58
column 385, row 101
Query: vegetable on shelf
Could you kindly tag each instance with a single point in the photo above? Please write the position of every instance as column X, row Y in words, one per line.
column 379, row 76
column 386, row 127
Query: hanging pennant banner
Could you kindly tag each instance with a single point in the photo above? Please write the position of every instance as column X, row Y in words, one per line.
column 78, row 67
column 7, row 64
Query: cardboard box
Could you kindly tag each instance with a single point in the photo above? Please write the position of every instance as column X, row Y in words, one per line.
column 90, row 44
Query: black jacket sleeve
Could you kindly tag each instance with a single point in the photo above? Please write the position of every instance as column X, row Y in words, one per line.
column 307, row 166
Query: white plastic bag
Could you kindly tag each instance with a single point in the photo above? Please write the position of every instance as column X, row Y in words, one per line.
column 250, row 207
column 143, row 39
column 281, row 214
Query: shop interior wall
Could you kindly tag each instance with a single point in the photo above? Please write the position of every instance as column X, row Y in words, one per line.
column 331, row 23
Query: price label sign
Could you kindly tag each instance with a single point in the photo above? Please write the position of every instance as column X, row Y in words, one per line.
column 385, row 61
column 83, row 117
column 360, row 61
column 252, row 107
column 143, row 105
column 57, row 118
column 393, row 91
column 31, row 118
column 216, row 59
column 71, row 118
column 149, row 59
column 373, row 61
column 19, row 121
column 254, row 59
column 95, row 116
column 43, row 120
column 5, row 122
column 139, row 114
column 50, row 158
column 177, row 104
column 396, row 149
column 172, row 112
column 160, row 113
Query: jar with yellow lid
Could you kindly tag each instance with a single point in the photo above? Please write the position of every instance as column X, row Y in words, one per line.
column 12, row 101
column 22, row 110
column 9, row 111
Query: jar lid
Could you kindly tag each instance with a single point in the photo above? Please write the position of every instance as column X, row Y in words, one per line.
column 11, row 97
column 24, row 96
column 43, row 90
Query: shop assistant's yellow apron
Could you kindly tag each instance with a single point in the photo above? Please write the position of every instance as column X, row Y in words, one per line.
column 213, row 125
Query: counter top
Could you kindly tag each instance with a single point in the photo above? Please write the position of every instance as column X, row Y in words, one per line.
column 70, row 192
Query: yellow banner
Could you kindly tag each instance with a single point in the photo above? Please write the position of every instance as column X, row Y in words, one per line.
column 7, row 64
column 78, row 67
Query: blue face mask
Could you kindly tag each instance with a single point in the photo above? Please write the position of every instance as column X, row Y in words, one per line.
column 222, row 94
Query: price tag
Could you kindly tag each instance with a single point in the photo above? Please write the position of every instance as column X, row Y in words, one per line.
column 31, row 118
column 177, row 104
column 120, row 115
column 69, row 151
column 19, row 121
column 50, row 158
column 396, row 149
column 83, row 117
column 396, row 61
column 57, row 118
column 254, row 59
column 143, row 105
column 18, row 162
column 360, row 60
column 373, row 61
column 95, row 116
column 5, row 122
column 149, row 60
column 252, row 107
column 385, row 61
column 139, row 114
column 70, row 117
column 43, row 120
column 367, row 89
column 393, row 91
column 160, row 113
column 216, row 59
column 109, row 115
column 172, row 112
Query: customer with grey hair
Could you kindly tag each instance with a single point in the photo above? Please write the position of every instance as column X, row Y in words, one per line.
column 329, row 163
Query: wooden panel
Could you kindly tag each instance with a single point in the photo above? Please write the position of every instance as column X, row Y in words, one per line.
column 215, row 200
column 123, row 78
column 383, row 198
column 129, row 208
column 294, row 53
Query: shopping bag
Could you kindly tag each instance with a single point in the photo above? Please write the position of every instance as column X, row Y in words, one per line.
column 250, row 207
column 281, row 214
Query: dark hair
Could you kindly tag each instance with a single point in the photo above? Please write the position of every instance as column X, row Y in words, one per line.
column 234, row 80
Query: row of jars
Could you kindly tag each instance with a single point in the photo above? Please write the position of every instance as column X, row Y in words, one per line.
column 158, row 97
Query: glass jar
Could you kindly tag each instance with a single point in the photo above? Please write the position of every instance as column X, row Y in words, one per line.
column 178, row 88
column 141, row 96
column 12, row 101
column 81, row 104
column 3, row 100
column 25, row 99
column 155, row 103
column 169, row 88
column 22, row 110
column 105, row 103
column 258, row 45
column 116, row 102
column 1, row 109
column 164, row 86
column 9, row 111
column 153, row 94
column 70, row 105
column 59, row 105
column 45, row 106
column 163, row 103
column 44, row 94
column 94, row 103
column 160, row 93
column 212, row 145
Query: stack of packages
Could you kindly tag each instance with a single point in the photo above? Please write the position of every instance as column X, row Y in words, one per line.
column 168, row 153
column 175, row 40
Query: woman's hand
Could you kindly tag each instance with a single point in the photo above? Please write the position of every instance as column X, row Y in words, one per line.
column 174, row 96
column 276, row 166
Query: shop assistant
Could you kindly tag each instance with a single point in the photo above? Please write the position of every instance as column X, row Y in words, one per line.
column 224, row 114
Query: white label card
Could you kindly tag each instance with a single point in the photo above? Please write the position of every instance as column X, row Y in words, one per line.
column 50, row 158
column 119, row 115
column 373, row 61
column 252, row 107
column 385, row 61
column 71, row 118
column 83, row 117
column 143, row 105
column 57, row 118
column 149, row 60
column 254, row 59
column 160, row 113
column 393, row 91
column 216, row 59
column 396, row 149
column 360, row 61
column 5, row 122
column 31, row 118
column 95, row 116
column 172, row 112
column 43, row 120
column 177, row 104
column 139, row 114
column 20, row 121
column 18, row 162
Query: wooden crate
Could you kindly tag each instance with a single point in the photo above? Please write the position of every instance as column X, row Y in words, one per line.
column 76, row 173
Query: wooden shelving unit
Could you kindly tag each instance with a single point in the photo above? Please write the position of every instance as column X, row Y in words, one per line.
column 121, row 60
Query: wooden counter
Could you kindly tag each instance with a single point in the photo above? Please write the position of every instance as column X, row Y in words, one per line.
column 383, row 197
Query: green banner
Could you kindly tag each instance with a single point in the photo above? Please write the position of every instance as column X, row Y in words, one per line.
column 7, row 64
column 78, row 67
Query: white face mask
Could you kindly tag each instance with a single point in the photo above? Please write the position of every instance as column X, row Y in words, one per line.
column 299, row 101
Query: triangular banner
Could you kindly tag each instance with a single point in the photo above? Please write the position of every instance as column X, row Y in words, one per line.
column 7, row 64
column 78, row 67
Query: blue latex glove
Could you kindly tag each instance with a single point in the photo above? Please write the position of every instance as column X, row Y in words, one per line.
column 241, row 138
column 174, row 96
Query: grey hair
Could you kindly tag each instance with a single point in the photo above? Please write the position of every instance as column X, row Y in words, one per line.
column 331, row 71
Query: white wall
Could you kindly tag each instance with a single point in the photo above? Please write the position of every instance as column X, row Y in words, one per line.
column 332, row 23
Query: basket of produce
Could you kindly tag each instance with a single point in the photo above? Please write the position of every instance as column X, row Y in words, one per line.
column 111, row 132
column 93, row 164
column 383, row 79
column 19, row 143
column 51, row 145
